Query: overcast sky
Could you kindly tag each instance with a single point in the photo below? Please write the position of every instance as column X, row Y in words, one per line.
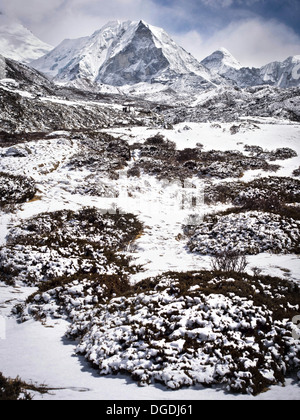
column 256, row 32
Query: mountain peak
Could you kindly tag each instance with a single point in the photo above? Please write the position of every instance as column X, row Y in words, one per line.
column 120, row 53
column 224, row 51
column 220, row 61
column 19, row 43
column 143, row 23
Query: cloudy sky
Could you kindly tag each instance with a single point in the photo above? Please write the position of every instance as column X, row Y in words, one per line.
column 254, row 31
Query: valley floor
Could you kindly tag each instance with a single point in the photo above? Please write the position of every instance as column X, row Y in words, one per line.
column 40, row 353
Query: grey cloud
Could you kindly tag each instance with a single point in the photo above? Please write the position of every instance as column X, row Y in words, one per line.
column 254, row 42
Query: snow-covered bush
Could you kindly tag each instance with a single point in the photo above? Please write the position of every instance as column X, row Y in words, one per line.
column 94, row 186
column 65, row 297
column 15, row 189
column 159, row 157
column 285, row 189
column 100, row 153
column 278, row 154
column 63, row 243
column 296, row 172
column 251, row 232
column 183, row 329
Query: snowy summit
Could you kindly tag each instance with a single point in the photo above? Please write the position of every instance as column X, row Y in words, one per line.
column 18, row 43
column 220, row 61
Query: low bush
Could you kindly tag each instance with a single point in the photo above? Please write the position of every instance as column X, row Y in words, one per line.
column 296, row 172
column 16, row 389
column 12, row 389
column 64, row 243
column 229, row 261
column 15, row 189
column 278, row 154
column 251, row 232
column 284, row 189
column 159, row 157
column 183, row 329
column 101, row 154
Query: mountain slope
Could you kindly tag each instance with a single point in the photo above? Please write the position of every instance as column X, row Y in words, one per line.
column 18, row 43
column 122, row 53
column 27, row 78
column 280, row 74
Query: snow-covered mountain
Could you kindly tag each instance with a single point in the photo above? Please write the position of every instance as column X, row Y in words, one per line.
column 280, row 74
column 221, row 61
column 122, row 53
column 138, row 59
column 114, row 221
column 18, row 43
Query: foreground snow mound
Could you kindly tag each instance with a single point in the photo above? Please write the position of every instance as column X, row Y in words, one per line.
column 254, row 232
column 195, row 328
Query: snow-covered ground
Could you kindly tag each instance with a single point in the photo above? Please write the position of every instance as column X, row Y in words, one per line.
column 42, row 355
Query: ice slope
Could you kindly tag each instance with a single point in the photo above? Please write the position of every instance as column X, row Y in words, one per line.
column 121, row 53
column 18, row 43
